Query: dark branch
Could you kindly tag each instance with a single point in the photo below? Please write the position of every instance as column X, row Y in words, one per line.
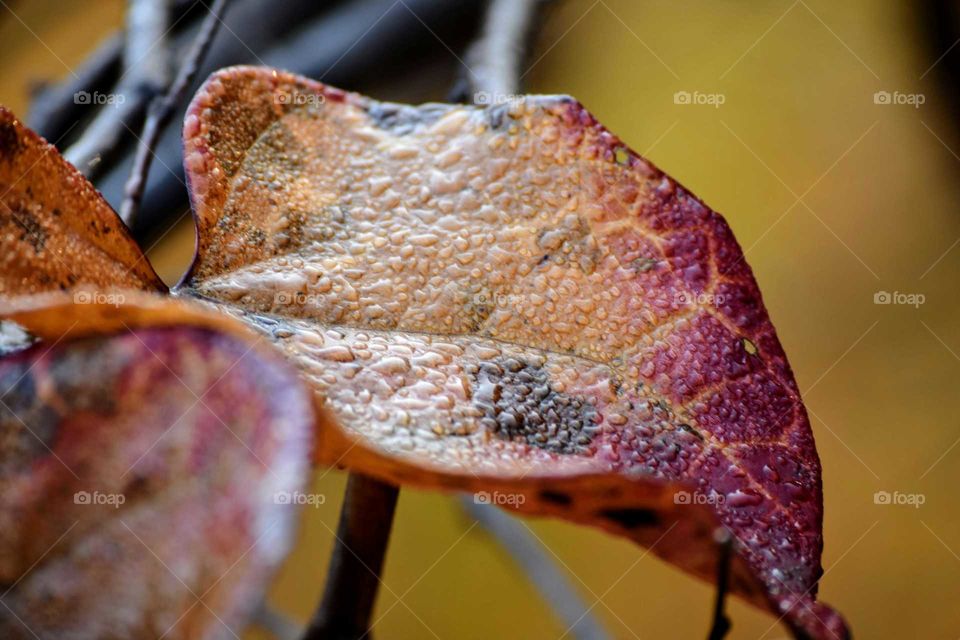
column 145, row 59
column 721, row 623
column 162, row 109
column 357, row 561
column 529, row 554
column 58, row 107
column 396, row 56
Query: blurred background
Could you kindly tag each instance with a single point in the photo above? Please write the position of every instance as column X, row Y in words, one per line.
column 822, row 131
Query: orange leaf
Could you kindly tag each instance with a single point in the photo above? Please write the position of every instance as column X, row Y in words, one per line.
column 57, row 231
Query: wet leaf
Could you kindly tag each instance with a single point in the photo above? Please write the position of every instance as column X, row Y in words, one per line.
column 508, row 300
column 146, row 451
column 56, row 230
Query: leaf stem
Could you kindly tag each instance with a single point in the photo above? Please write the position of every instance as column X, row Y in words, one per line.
column 357, row 561
column 721, row 623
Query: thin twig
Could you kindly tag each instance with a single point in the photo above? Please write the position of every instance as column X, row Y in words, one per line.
column 145, row 59
column 162, row 109
column 396, row 51
column 721, row 623
column 357, row 561
column 528, row 553
column 494, row 59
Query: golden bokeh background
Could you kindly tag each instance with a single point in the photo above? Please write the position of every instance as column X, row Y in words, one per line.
column 833, row 197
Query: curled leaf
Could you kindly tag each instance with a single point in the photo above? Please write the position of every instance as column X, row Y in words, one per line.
column 508, row 299
column 57, row 231
column 146, row 452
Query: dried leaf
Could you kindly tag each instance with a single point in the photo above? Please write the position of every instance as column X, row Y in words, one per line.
column 509, row 300
column 144, row 449
column 57, row 231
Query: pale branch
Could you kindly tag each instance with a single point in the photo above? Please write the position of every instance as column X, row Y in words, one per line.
column 162, row 109
column 526, row 550
column 356, row 562
column 145, row 61
column 494, row 59
column 58, row 107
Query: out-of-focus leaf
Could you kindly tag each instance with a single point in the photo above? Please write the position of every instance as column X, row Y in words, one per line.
column 509, row 300
column 148, row 460
column 56, row 230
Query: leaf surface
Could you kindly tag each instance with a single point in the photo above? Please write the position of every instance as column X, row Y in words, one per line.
column 56, row 230
column 144, row 450
column 509, row 300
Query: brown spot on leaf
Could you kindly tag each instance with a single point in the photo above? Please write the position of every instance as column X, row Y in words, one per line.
column 519, row 402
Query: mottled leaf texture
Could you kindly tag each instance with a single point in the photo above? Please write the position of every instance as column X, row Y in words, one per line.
column 145, row 454
column 56, row 230
column 508, row 299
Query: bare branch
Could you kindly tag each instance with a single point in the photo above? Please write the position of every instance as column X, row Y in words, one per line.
column 396, row 51
column 162, row 109
column 494, row 59
column 145, row 59
column 524, row 548
column 57, row 107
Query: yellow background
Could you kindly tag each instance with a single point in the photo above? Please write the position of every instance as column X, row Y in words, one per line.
column 833, row 196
